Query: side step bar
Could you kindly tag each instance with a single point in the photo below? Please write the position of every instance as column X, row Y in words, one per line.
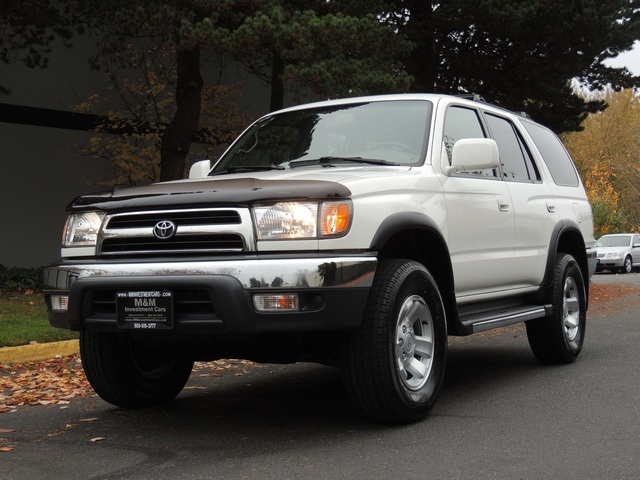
column 501, row 317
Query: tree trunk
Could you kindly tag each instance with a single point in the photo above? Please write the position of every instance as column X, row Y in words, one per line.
column 420, row 29
column 176, row 139
column 277, row 86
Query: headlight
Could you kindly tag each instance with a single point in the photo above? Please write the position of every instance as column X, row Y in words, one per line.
column 302, row 220
column 613, row 255
column 81, row 229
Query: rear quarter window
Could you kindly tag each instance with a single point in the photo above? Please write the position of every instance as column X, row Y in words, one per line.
column 554, row 154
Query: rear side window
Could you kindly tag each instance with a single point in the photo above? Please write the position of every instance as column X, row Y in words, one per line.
column 554, row 154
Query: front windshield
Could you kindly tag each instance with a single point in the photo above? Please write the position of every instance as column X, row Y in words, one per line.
column 614, row 241
column 391, row 131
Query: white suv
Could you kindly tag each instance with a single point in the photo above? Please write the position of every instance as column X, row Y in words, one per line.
column 358, row 233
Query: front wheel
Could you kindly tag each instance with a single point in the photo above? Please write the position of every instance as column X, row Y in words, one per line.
column 394, row 364
column 558, row 338
column 129, row 374
column 627, row 266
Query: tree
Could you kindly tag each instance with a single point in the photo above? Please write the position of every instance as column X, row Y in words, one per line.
column 30, row 27
column 607, row 153
column 328, row 48
column 287, row 36
column 519, row 54
column 118, row 22
column 140, row 105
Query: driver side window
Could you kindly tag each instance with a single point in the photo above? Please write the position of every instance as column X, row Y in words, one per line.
column 459, row 123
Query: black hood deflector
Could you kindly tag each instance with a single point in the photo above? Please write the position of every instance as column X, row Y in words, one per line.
column 227, row 192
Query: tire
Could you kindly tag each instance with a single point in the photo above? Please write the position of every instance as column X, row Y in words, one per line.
column 558, row 338
column 394, row 364
column 127, row 373
column 627, row 266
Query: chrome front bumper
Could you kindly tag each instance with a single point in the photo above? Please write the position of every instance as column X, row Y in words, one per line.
column 333, row 292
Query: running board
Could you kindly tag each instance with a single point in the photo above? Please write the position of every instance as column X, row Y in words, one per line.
column 501, row 317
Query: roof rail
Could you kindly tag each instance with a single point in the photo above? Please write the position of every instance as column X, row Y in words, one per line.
column 472, row 96
column 479, row 98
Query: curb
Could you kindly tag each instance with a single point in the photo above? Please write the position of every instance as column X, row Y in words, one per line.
column 38, row 351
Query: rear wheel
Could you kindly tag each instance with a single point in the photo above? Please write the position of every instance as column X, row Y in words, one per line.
column 558, row 338
column 394, row 363
column 127, row 373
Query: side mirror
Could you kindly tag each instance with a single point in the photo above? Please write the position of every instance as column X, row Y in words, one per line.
column 636, row 245
column 472, row 154
column 200, row 169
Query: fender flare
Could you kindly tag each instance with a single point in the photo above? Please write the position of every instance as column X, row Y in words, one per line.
column 439, row 265
column 560, row 229
column 404, row 221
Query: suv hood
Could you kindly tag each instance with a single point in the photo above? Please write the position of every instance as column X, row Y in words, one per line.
column 237, row 189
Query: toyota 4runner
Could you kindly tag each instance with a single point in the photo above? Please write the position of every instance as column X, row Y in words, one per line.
column 358, row 233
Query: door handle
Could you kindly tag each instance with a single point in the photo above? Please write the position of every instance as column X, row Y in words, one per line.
column 503, row 205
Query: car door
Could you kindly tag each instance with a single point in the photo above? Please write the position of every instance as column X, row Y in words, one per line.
column 532, row 201
column 479, row 216
column 635, row 249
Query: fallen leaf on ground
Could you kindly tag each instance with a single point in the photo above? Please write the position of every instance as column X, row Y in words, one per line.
column 49, row 382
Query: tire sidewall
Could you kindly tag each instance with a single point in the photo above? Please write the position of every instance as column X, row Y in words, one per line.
column 571, row 269
column 108, row 362
column 418, row 281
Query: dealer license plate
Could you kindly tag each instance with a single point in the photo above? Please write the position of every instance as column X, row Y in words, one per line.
column 145, row 310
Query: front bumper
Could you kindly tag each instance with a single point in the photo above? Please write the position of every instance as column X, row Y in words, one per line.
column 605, row 263
column 217, row 296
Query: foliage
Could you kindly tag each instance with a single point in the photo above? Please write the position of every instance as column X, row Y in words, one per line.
column 519, row 54
column 302, row 43
column 140, row 103
column 30, row 27
column 326, row 48
column 605, row 201
column 159, row 25
column 20, row 279
column 607, row 153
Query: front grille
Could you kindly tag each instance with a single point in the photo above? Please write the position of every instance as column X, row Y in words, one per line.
column 197, row 231
column 183, row 243
column 184, row 218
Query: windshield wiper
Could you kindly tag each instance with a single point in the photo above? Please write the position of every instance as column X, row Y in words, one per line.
column 330, row 160
column 248, row 168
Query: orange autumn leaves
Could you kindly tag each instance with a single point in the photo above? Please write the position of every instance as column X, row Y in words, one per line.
column 607, row 154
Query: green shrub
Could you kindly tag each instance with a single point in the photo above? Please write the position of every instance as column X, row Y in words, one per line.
column 20, row 279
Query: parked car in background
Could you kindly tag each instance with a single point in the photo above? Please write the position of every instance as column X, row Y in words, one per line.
column 618, row 252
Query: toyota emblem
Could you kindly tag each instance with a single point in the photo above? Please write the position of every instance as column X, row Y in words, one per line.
column 164, row 229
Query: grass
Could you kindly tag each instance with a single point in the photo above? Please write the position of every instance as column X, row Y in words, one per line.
column 23, row 319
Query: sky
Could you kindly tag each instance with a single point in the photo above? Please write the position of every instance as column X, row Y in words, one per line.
column 630, row 59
